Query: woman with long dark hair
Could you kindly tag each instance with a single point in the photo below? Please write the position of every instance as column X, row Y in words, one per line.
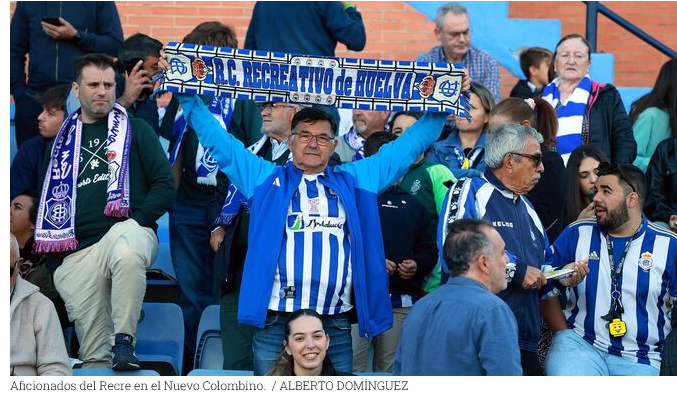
column 581, row 178
column 654, row 115
column 305, row 347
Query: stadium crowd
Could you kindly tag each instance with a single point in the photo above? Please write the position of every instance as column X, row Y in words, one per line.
column 536, row 237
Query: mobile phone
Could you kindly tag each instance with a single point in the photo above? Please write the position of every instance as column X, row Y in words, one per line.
column 130, row 63
column 52, row 21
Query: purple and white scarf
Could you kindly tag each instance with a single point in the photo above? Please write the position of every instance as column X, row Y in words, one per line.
column 356, row 142
column 206, row 166
column 55, row 226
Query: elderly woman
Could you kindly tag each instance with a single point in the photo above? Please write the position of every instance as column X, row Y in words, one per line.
column 589, row 112
column 305, row 347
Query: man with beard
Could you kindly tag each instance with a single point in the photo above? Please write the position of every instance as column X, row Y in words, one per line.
column 619, row 317
column 514, row 166
column 351, row 145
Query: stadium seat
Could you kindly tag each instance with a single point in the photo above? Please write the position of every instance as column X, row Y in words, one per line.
column 217, row 373
column 208, row 351
column 160, row 337
column 161, row 285
column 367, row 374
column 81, row 372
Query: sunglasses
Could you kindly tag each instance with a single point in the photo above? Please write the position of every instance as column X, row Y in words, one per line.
column 535, row 159
column 607, row 168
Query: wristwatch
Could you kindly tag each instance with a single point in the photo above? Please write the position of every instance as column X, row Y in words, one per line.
column 76, row 38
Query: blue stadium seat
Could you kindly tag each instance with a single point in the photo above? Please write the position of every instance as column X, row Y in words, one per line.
column 209, row 352
column 164, row 260
column 366, row 374
column 221, row 373
column 161, row 279
column 160, row 337
column 81, row 372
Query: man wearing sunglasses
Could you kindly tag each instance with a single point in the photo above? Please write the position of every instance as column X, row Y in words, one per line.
column 619, row 316
column 513, row 159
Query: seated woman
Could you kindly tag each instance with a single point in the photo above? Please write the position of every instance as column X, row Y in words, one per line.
column 463, row 150
column 581, row 177
column 589, row 112
column 305, row 347
column 654, row 115
column 548, row 195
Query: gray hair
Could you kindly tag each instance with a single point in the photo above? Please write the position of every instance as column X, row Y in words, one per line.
column 15, row 245
column 464, row 243
column 454, row 8
column 507, row 138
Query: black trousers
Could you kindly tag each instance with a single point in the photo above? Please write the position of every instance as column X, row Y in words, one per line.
column 26, row 116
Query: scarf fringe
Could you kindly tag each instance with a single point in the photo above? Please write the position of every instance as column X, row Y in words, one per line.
column 209, row 180
column 55, row 246
column 115, row 209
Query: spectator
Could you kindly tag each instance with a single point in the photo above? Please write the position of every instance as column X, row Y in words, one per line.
column 581, row 178
column 97, row 215
column 588, row 112
column 51, row 45
column 463, row 150
column 25, row 170
column 535, row 63
column 197, row 177
column 452, row 29
column 230, row 216
column 305, row 347
column 305, row 27
column 36, row 341
column 410, row 251
column 548, row 195
column 514, row 167
column 23, row 212
column 282, row 215
column 365, row 122
column 661, row 201
column 654, row 115
column 632, row 265
column 462, row 328
column 428, row 181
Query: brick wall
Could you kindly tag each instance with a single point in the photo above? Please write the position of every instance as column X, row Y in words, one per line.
column 397, row 31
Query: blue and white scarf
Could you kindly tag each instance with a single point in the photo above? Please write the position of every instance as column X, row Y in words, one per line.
column 206, row 166
column 55, row 226
column 356, row 142
column 235, row 199
column 570, row 114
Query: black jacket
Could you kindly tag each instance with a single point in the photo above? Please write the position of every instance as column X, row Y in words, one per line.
column 407, row 235
column 548, row 195
column 661, row 177
column 609, row 127
column 521, row 90
column 97, row 23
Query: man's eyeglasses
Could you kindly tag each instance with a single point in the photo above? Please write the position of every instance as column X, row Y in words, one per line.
column 305, row 137
column 270, row 105
column 535, row 159
column 606, row 168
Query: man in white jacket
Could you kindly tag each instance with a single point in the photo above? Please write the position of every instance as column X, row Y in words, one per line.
column 36, row 341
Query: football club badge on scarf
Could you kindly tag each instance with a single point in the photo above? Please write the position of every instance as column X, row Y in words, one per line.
column 348, row 83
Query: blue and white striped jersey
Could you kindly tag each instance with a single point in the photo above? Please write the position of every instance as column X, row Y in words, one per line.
column 314, row 269
column 648, row 281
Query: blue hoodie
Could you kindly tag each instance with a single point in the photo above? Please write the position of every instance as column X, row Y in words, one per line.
column 270, row 188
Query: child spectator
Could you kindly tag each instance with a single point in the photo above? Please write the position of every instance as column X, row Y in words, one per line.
column 410, row 251
column 535, row 62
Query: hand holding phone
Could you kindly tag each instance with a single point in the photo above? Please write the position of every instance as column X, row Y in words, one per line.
column 52, row 21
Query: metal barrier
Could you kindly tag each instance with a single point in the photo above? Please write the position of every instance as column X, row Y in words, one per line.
column 594, row 8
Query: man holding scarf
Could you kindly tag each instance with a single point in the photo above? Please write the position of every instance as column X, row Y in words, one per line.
column 108, row 175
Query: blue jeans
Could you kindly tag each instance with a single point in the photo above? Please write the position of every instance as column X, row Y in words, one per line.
column 267, row 344
column 192, row 259
column 570, row 354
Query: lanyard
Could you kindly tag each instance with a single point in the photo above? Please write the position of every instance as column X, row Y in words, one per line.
column 616, row 305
